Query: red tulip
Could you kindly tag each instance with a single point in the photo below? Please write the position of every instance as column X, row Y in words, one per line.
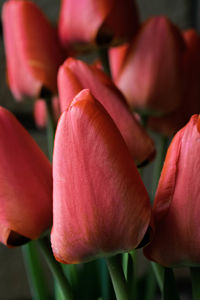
column 177, row 203
column 32, row 51
column 148, row 71
column 26, row 184
column 190, row 104
column 96, row 22
column 75, row 75
column 100, row 205
column 40, row 111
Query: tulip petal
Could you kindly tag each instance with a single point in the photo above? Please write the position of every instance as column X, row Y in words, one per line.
column 117, row 56
column 190, row 104
column 100, row 204
column 176, row 209
column 150, row 76
column 26, row 184
column 32, row 50
column 74, row 75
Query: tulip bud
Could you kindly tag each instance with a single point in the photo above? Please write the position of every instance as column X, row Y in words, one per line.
column 75, row 75
column 100, row 205
column 176, row 208
column 148, row 71
column 190, row 104
column 32, row 50
column 26, row 184
column 84, row 23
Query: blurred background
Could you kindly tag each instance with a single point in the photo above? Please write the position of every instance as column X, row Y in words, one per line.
column 185, row 13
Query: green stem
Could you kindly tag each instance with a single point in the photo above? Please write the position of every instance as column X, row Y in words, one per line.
column 170, row 291
column 158, row 164
column 159, row 273
column 104, row 279
column 195, row 275
column 118, row 278
column 150, row 286
column 58, row 292
column 51, row 127
column 34, row 271
column 125, row 260
column 56, row 269
column 103, row 54
column 144, row 120
column 131, row 275
column 166, row 282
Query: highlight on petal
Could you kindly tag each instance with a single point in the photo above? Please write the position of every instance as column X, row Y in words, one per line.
column 25, row 184
column 33, row 54
column 176, row 209
column 150, row 75
column 109, row 21
column 100, row 205
column 75, row 75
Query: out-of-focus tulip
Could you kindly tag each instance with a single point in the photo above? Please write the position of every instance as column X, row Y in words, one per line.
column 84, row 22
column 100, row 205
column 75, row 75
column 32, row 50
column 190, row 104
column 177, row 203
column 40, row 111
column 26, row 184
column 148, row 71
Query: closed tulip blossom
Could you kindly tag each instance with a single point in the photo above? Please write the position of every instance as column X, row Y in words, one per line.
column 90, row 22
column 75, row 75
column 148, row 70
column 25, row 184
column 100, row 205
column 176, row 209
column 33, row 54
column 190, row 104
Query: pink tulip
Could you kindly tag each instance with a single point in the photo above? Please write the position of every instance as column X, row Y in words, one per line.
column 40, row 111
column 84, row 22
column 32, row 50
column 190, row 104
column 75, row 75
column 177, row 203
column 100, row 205
column 26, row 184
column 148, row 70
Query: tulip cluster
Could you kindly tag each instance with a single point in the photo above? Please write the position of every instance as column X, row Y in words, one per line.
column 92, row 197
